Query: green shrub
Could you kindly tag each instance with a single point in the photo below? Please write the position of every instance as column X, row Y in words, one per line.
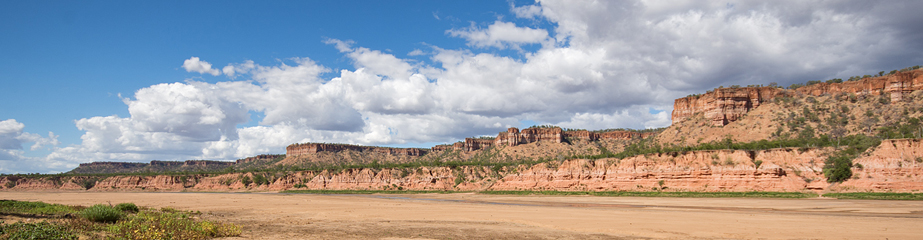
column 40, row 230
column 246, row 181
column 838, row 168
column 101, row 213
column 259, row 179
column 127, row 207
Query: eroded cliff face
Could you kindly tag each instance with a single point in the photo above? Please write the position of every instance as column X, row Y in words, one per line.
column 725, row 105
column 895, row 166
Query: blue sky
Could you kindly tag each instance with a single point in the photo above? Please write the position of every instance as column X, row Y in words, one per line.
column 127, row 81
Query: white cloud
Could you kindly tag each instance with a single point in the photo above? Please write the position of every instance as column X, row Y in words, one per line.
column 604, row 65
column 193, row 64
column 500, row 35
column 527, row 11
column 14, row 159
column 10, row 130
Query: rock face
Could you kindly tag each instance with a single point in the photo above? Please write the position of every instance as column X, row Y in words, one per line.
column 894, row 85
column 725, row 105
column 309, row 148
column 585, row 135
column 895, row 166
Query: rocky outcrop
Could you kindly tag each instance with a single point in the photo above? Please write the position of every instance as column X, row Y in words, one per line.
column 894, row 85
column 261, row 157
column 514, row 137
column 585, row 135
column 309, row 148
column 725, row 105
column 895, row 165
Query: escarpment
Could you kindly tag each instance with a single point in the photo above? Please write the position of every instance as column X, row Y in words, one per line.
column 893, row 166
column 153, row 166
column 724, row 105
column 308, row 148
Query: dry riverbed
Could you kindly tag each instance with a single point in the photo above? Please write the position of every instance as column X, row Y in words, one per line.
column 475, row 216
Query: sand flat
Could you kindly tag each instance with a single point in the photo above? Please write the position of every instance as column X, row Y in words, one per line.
column 476, row 216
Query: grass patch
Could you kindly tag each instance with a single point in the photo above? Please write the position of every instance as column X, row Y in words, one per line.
column 40, row 230
column 663, row 194
column 11, row 207
column 365, row 191
column 876, row 196
column 102, row 213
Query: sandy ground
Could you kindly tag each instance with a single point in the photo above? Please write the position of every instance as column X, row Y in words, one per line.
column 474, row 216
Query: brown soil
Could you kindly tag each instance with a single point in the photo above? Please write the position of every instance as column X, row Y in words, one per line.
column 475, row 216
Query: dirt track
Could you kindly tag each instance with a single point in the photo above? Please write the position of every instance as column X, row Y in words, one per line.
column 473, row 216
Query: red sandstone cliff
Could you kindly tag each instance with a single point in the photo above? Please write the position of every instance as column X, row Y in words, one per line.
column 725, row 105
column 893, row 166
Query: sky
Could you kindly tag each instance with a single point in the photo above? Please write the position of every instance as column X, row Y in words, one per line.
column 222, row 80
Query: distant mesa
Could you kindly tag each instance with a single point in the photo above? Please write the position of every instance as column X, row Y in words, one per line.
column 512, row 137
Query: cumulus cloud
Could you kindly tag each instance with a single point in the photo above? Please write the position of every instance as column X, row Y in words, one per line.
column 193, row 64
column 12, row 156
column 500, row 35
column 602, row 65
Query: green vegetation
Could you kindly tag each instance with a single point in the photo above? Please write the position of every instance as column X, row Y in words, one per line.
column 876, row 196
column 125, row 221
column 101, row 213
column 838, row 168
column 170, row 225
column 127, row 207
column 39, row 230
column 35, row 208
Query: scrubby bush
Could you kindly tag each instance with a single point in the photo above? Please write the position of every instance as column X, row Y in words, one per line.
column 246, row 181
column 259, row 179
column 101, row 213
column 127, row 207
column 838, row 168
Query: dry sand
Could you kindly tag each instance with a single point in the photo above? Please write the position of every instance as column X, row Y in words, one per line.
column 474, row 216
